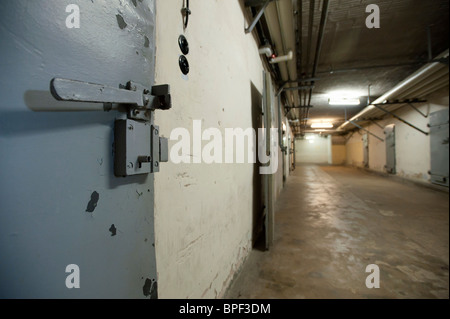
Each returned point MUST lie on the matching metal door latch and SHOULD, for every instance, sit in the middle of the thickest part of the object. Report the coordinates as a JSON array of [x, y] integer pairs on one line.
[[138, 149], [135, 97]]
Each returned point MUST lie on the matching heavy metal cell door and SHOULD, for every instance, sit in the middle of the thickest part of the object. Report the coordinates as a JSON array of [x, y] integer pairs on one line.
[[76, 200], [439, 147], [365, 139], [389, 132]]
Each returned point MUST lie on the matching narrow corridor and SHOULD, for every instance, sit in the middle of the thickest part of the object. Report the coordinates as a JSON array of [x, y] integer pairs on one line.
[[331, 222]]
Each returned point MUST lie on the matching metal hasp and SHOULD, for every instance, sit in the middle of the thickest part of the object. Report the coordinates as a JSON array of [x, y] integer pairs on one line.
[[134, 96], [258, 15], [138, 149]]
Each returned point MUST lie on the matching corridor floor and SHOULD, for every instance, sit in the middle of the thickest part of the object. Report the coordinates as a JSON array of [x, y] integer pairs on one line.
[[332, 222]]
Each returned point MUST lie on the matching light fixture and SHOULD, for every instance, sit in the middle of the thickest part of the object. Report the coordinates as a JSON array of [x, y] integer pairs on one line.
[[344, 98], [344, 101], [322, 125]]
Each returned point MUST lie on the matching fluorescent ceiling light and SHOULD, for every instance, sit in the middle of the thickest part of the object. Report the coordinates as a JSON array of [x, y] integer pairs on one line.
[[344, 101], [344, 97], [322, 125]]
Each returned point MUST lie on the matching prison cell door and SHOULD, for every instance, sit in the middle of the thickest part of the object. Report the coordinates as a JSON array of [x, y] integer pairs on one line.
[[365, 139], [69, 228], [439, 147], [389, 132]]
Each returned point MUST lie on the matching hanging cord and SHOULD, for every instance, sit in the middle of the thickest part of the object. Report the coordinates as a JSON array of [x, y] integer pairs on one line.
[[186, 12]]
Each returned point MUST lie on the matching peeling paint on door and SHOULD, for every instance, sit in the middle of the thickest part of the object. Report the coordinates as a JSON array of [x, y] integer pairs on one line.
[[59, 193]]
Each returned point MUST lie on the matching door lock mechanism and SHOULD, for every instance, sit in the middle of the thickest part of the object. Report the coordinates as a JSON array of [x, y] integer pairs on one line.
[[134, 97], [138, 148]]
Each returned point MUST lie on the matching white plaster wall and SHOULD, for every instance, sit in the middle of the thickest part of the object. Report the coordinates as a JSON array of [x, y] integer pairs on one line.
[[354, 150], [412, 147], [338, 154], [316, 151], [203, 212], [330, 149]]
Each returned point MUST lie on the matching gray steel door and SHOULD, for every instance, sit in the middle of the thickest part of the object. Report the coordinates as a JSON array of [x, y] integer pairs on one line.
[[439, 147], [267, 179], [389, 132], [365, 139], [60, 203]]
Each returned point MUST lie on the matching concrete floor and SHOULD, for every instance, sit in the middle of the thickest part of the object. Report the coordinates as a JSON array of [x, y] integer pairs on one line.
[[331, 222]]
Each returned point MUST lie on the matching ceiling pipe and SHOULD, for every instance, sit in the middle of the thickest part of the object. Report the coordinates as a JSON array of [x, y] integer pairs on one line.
[[382, 66], [299, 37], [309, 41], [267, 50], [288, 54], [310, 30], [403, 86], [323, 21], [299, 41], [441, 74], [262, 31], [283, 58], [428, 85]]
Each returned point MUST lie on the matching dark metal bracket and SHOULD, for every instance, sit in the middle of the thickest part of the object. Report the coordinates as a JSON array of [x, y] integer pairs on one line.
[[378, 106], [375, 123], [257, 17], [420, 112], [362, 128]]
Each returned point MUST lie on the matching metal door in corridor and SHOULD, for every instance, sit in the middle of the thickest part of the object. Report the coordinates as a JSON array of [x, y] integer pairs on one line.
[[61, 205]]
